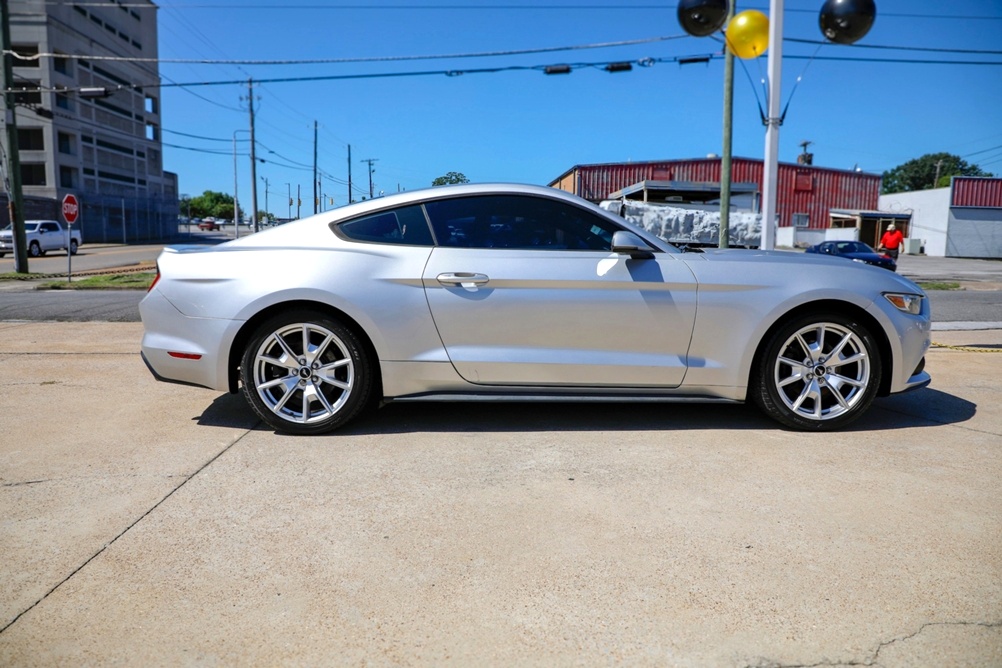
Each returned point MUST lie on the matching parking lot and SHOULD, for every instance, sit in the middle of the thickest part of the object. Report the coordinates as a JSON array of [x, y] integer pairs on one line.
[[153, 524]]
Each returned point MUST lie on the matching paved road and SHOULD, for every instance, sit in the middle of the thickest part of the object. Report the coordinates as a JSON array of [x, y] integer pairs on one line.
[[20, 301]]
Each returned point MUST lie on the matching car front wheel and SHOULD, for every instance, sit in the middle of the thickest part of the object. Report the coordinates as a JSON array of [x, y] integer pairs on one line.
[[34, 249], [306, 373], [73, 246], [818, 373]]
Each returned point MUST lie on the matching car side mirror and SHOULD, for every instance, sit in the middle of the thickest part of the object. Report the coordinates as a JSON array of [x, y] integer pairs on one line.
[[628, 243]]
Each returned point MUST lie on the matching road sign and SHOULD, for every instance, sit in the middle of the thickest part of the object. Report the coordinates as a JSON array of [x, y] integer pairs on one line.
[[71, 209]]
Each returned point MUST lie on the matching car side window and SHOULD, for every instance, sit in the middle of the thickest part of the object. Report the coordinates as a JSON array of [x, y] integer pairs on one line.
[[406, 226], [518, 221], [49, 227]]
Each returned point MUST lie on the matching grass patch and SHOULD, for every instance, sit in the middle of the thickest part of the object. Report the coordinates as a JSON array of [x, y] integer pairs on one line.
[[939, 285], [134, 281]]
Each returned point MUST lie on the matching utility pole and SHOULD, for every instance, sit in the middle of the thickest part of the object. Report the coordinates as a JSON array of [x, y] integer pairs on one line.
[[315, 200], [725, 159], [299, 201], [236, 200], [266, 209], [253, 156], [13, 180], [371, 170], [288, 190], [350, 198], [939, 166]]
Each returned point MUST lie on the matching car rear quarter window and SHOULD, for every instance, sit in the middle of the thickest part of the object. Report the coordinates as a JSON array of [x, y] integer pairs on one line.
[[406, 226], [518, 221]]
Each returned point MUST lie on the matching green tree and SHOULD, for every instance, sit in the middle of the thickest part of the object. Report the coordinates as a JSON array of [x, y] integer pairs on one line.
[[211, 203], [920, 173], [450, 179]]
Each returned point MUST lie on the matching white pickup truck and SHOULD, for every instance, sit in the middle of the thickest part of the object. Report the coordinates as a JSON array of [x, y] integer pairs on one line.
[[41, 236]]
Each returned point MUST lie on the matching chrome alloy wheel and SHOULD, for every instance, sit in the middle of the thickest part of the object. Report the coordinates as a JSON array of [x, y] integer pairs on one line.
[[303, 373], [822, 371]]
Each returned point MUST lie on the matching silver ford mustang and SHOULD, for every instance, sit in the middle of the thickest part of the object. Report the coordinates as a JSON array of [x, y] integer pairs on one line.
[[493, 292]]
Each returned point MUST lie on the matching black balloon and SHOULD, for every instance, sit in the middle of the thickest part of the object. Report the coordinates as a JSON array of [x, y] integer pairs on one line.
[[847, 21], [700, 18]]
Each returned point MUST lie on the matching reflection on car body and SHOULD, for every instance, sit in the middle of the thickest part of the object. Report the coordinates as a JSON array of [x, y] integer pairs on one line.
[[509, 292]]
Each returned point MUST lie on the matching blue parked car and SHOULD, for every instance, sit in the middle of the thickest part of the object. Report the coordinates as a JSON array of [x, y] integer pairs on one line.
[[855, 250]]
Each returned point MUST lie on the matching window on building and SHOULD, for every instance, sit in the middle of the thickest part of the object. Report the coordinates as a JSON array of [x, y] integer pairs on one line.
[[152, 132], [63, 101], [63, 65], [28, 94], [801, 220], [68, 177], [803, 182], [30, 139], [67, 143], [25, 50], [33, 173], [152, 107]]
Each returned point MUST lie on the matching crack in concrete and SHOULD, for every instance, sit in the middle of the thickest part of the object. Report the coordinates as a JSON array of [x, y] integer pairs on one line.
[[873, 659], [101, 550], [96, 476]]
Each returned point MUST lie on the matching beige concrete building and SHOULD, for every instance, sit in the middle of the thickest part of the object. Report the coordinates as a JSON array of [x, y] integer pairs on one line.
[[88, 116]]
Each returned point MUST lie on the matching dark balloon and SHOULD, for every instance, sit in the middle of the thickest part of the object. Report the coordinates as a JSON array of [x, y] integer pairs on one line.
[[700, 18], [846, 21]]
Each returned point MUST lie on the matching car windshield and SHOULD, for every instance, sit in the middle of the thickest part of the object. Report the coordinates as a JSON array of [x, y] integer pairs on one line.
[[854, 247]]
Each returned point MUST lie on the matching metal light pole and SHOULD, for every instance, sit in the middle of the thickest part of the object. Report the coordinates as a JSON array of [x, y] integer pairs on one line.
[[770, 164], [288, 187]]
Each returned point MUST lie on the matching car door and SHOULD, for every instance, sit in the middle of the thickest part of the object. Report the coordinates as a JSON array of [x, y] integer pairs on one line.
[[50, 237], [524, 290]]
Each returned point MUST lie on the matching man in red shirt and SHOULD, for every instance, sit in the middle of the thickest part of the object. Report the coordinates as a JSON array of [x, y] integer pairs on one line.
[[891, 241]]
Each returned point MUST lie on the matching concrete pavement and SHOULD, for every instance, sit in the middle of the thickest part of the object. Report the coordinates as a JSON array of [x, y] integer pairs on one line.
[[153, 524]]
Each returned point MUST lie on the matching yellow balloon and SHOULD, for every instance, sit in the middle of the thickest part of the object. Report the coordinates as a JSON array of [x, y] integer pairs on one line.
[[748, 34]]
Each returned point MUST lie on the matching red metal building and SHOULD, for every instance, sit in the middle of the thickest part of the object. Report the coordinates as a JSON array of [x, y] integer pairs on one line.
[[805, 193], [976, 191]]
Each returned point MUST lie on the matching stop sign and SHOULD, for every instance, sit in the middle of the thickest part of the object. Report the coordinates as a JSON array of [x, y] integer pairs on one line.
[[71, 209]]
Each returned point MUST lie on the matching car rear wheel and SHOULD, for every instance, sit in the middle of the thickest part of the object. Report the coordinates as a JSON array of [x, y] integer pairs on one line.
[[818, 373], [306, 373]]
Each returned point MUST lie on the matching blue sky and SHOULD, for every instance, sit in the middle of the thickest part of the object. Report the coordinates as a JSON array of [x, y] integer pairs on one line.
[[525, 126]]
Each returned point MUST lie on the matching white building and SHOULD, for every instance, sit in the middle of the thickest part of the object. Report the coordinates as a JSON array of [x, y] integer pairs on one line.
[[964, 220]]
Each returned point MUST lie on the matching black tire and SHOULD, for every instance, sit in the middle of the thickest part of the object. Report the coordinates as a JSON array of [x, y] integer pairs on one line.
[[35, 250], [73, 246], [817, 373], [312, 392]]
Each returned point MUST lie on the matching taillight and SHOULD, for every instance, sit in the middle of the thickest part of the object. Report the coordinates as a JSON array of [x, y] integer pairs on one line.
[[155, 279]]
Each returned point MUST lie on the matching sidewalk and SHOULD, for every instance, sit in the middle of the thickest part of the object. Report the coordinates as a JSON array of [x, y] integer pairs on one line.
[[155, 524]]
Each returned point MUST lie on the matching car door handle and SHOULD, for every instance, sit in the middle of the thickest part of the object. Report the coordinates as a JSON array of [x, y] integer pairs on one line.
[[465, 279]]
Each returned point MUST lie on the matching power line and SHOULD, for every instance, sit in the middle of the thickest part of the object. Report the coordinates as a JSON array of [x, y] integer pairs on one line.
[[576, 7], [928, 49], [335, 61]]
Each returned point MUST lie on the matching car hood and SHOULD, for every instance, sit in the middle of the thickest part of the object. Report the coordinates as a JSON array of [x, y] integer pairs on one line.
[[797, 263]]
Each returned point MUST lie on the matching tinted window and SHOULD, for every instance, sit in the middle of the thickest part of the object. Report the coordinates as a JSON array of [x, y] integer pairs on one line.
[[518, 221], [400, 226]]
